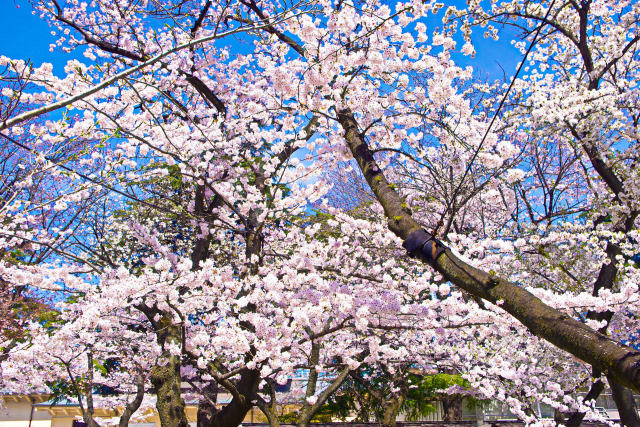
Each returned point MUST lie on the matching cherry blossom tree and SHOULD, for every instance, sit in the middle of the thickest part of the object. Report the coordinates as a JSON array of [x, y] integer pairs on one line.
[[585, 155], [206, 130]]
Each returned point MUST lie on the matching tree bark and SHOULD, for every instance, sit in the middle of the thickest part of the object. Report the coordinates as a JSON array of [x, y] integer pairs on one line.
[[245, 391], [167, 382], [170, 405], [391, 408], [234, 413], [87, 415], [207, 405], [270, 408], [452, 408], [556, 327], [165, 375], [308, 411], [605, 279], [625, 403], [133, 406], [272, 416]]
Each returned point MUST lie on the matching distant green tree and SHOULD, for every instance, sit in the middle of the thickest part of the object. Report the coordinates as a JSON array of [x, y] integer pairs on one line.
[[382, 394]]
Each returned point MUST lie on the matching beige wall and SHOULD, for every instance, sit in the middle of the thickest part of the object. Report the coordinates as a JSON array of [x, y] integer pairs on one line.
[[16, 411], [62, 421]]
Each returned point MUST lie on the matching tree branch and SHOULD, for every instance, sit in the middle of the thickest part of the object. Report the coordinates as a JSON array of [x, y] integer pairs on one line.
[[605, 354]]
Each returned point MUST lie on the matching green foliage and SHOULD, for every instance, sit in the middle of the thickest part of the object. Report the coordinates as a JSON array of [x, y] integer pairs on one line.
[[62, 389], [423, 390], [342, 405], [50, 319], [418, 392], [324, 415], [289, 417], [442, 381]]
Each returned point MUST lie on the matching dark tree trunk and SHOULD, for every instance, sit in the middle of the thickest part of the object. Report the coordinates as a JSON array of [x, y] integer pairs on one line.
[[207, 406], [560, 417], [165, 375], [234, 413], [625, 404]]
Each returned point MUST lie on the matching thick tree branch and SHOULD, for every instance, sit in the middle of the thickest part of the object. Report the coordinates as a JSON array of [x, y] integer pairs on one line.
[[310, 411], [102, 44], [203, 14], [621, 362], [207, 93], [251, 4], [605, 172]]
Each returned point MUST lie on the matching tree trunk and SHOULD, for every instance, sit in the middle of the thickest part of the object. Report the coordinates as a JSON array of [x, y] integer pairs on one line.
[[559, 417], [625, 404], [207, 406], [390, 411], [134, 405], [234, 413], [306, 412], [452, 408], [270, 408], [309, 411], [363, 410], [271, 412], [165, 375], [166, 381], [575, 420]]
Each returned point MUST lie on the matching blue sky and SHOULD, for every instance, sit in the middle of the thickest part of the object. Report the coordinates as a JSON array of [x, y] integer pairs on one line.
[[25, 36]]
